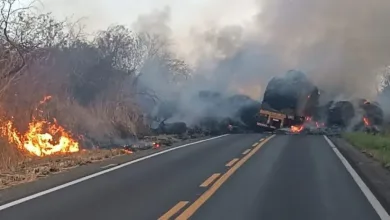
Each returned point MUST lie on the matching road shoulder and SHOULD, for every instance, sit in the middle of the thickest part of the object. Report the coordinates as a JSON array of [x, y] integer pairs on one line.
[[372, 172]]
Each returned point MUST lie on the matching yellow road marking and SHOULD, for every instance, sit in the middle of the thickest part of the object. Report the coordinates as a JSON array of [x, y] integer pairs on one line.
[[210, 180], [232, 162], [206, 195], [255, 144], [173, 210], [247, 151]]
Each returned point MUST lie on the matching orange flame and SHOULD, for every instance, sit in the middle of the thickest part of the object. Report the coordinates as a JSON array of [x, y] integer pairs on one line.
[[39, 142], [366, 121], [41, 138], [127, 151], [45, 99], [296, 129]]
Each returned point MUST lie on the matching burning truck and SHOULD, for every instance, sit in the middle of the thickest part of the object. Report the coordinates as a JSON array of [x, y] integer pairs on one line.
[[288, 101], [292, 102]]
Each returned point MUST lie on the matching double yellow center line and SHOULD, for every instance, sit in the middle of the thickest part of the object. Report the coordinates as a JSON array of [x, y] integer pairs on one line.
[[187, 213], [232, 162], [210, 180]]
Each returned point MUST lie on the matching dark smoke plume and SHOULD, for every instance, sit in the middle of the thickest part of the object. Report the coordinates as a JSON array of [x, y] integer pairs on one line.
[[340, 44]]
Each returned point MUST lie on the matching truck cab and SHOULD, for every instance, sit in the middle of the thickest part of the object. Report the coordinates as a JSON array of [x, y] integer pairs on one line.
[[270, 120]]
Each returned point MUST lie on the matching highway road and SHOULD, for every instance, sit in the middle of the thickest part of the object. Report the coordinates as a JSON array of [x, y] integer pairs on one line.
[[241, 176]]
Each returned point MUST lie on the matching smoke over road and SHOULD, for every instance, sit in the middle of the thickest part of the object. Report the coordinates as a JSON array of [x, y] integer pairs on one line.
[[340, 44]]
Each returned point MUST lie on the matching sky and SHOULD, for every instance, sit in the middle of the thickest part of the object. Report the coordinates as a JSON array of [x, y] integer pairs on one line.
[[182, 16], [98, 14]]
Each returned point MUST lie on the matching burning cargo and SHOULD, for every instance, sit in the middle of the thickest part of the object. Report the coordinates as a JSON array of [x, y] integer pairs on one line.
[[287, 100], [356, 114]]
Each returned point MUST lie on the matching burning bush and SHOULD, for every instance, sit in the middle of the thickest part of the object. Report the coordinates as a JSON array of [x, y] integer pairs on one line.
[[42, 138]]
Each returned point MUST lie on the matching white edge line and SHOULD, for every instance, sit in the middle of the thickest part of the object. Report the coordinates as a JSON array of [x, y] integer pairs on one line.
[[39, 194], [363, 187]]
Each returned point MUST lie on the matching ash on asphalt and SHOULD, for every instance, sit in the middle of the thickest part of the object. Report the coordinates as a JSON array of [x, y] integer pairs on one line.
[[310, 131]]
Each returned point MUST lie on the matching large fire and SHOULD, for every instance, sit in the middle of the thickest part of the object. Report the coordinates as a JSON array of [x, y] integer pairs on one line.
[[41, 138]]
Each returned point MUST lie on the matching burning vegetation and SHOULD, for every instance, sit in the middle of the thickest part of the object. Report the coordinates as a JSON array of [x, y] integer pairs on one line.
[[101, 93], [42, 137], [97, 96]]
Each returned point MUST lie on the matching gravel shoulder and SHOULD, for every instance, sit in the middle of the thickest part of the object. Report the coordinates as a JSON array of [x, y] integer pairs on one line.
[[54, 178], [376, 177]]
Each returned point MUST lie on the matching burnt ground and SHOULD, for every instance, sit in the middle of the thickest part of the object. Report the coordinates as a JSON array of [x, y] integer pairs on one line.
[[376, 177]]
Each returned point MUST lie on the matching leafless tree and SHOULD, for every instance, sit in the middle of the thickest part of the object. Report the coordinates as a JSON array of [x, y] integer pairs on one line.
[[122, 47], [12, 53]]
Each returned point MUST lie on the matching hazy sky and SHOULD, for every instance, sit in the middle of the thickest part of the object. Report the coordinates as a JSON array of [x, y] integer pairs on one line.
[[252, 40], [184, 14]]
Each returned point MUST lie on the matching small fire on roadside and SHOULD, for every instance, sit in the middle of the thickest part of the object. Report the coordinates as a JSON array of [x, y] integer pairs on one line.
[[42, 137], [127, 151], [156, 145]]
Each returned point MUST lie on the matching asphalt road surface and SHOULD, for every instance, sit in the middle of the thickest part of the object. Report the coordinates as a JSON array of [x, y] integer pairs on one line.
[[244, 176]]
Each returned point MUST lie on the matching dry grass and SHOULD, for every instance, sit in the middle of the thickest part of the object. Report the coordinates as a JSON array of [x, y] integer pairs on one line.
[[9, 156], [30, 168]]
